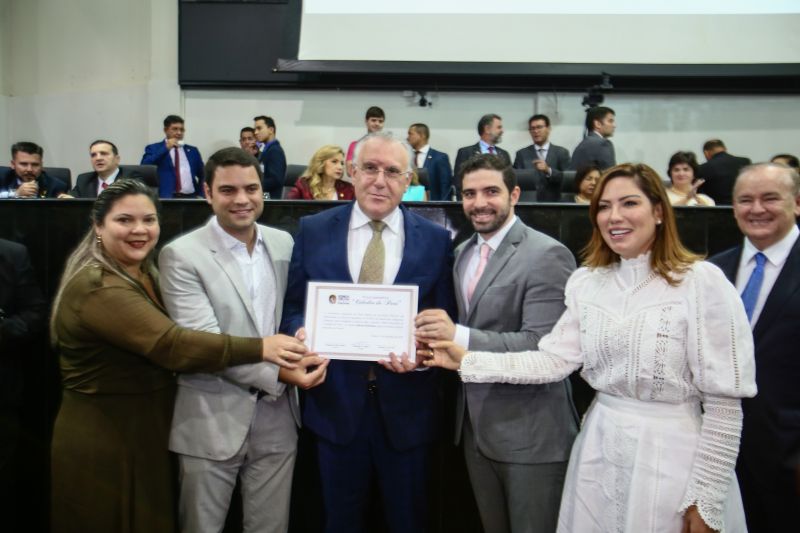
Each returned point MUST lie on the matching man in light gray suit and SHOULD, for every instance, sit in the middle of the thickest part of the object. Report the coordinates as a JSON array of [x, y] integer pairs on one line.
[[509, 282], [229, 276], [549, 160]]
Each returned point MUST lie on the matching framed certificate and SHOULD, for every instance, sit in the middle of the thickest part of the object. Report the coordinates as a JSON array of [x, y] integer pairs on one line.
[[360, 322]]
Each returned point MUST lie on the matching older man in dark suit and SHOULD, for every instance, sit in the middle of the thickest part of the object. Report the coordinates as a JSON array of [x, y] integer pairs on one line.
[[490, 130], [373, 424], [766, 270], [549, 161]]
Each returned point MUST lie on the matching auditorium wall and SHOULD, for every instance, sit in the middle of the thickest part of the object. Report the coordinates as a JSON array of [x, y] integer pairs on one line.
[[108, 69]]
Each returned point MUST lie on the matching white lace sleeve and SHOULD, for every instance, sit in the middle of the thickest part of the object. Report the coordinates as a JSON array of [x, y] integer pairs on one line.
[[719, 341], [715, 460], [560, 353]]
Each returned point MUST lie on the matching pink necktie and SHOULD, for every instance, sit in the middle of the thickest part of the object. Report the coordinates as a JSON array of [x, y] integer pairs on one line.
[[479, 272], [104, 185]]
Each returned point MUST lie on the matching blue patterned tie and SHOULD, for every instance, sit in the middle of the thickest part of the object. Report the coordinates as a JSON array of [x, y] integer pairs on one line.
[[751, 290]]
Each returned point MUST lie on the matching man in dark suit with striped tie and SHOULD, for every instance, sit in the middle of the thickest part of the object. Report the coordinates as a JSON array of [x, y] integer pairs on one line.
[[766, 270]]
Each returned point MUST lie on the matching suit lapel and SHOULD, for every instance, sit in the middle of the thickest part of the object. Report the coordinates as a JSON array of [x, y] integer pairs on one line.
[[280, 285], [461, 254], [337, 240], [729, 263], [787, 283], [223, 256], [413, 254], [498, 261]]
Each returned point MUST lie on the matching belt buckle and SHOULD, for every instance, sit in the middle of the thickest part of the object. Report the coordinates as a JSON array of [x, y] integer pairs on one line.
[[372, 387]]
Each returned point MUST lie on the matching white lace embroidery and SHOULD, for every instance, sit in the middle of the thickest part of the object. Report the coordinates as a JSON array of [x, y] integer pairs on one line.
[[638, 337]]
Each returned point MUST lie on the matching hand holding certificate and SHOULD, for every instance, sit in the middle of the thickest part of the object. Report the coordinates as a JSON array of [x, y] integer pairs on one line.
[[360, 322]]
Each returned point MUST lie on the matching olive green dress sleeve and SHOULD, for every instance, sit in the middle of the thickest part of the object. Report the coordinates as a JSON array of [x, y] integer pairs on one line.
[[125, 317]]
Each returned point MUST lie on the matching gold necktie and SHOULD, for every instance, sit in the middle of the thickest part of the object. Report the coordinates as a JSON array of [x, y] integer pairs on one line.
[[374, 257]]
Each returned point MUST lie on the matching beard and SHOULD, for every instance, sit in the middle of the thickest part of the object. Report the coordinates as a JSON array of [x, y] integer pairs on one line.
[[490, 225]]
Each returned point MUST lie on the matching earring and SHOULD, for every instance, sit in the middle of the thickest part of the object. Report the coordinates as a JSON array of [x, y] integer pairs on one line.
[[98, 239], [658, 222]]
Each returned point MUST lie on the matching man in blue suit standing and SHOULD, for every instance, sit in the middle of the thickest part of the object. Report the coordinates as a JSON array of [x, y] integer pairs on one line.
[[440, 175], [766, 269], [373, 423], [272, 157], [180, 166]]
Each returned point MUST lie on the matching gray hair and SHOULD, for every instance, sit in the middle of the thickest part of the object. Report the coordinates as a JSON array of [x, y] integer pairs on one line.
[[788, 173], [387, 138]]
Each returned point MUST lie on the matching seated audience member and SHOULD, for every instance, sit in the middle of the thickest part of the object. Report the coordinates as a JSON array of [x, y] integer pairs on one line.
[[105, 162], [786, 159], [416, 191], [682, 172], [586, 179], [374, 120], [27, 179], [272, 157], [180, 166], [490, 131], [719, 171], [440, 175], [549, 160], [322, 180], [247, 141]]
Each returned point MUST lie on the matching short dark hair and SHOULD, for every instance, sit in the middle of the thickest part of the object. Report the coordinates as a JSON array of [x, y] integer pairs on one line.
[[103, 141], [581, 174], [540, 117], [269, 121], [791, 160], [486, 120], [597, 113], [26, 147], [172, 119], [247, 129], [375, 112], [713, 144], [488, 162], [421, 129], [683, 158], [227, 157]]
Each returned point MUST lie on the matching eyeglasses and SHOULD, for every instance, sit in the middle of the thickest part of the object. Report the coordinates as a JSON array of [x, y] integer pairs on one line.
[[391, 173]]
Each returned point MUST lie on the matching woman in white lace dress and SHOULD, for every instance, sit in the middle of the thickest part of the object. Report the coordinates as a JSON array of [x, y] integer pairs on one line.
[[664, 339]]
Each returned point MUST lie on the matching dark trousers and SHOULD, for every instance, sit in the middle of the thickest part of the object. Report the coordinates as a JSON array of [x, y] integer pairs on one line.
[[349, 472]]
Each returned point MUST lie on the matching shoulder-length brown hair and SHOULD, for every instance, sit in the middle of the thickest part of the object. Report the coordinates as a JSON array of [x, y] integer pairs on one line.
[[668, 257]]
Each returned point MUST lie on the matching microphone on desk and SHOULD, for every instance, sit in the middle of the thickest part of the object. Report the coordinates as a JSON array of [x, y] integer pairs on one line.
[[453, 193]]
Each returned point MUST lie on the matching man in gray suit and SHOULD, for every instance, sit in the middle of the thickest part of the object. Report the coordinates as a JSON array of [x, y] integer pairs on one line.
[[549, 161], [596, 148], [509, 282], [229, 276]]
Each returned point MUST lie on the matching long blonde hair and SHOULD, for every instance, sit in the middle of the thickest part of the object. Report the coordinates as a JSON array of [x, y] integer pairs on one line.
[[668, 256], [90, 252], [315, 173]]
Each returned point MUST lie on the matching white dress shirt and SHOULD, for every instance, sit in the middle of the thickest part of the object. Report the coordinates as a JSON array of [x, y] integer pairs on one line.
[[359, 235], [108, 181], [258, 276], [421, 156], [776, 257], [187, 181], [468, 267]]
